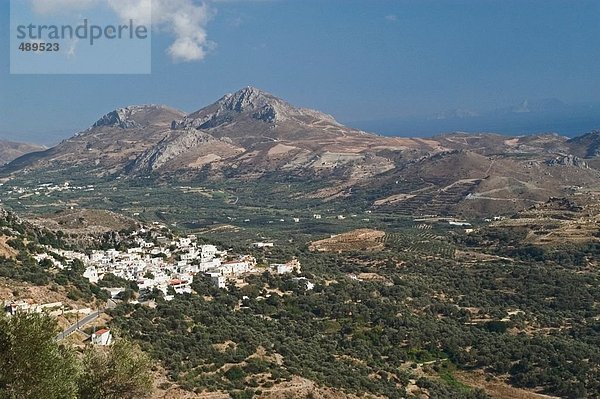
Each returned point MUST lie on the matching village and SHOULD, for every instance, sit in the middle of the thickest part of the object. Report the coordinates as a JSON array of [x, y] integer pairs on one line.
[[154, 261], [173, 263]]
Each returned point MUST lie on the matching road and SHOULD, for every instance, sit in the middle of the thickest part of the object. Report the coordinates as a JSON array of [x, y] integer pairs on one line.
[[81, 323]]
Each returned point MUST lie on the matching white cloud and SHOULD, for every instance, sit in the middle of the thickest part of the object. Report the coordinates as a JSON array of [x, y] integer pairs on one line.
[[138, 10], [185, 20], [391, 18]]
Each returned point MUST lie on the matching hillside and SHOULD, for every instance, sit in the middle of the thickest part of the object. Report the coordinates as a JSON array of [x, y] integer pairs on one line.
[[10, 150], [108, 144]]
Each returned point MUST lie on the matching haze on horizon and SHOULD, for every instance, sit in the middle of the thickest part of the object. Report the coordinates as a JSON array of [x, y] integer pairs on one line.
[[393, 67]]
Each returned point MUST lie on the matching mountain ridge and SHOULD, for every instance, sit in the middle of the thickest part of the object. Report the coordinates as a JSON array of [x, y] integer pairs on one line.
[[251, 134]]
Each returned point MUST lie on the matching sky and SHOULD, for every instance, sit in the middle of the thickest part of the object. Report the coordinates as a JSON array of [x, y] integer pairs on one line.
[[358, 60]]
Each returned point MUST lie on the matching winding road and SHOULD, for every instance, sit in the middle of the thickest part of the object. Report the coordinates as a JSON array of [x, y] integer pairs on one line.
[[80, 323], [84, 321]]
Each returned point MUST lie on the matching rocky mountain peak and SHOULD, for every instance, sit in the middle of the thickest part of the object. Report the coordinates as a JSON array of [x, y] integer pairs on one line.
[[257, 104], [249, 98], [118, 118], [136, 116], [251, 105]]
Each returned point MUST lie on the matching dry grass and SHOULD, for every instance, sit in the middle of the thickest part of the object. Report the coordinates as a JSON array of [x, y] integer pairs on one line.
[[498, 389], [356, 240]]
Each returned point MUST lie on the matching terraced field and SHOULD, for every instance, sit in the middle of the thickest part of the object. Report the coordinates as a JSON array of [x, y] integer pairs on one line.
[[431, 200], [419, 242]]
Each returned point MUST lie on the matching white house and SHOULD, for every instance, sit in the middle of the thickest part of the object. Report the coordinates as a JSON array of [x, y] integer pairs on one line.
[[286, 268], [206, 265], [181, 286], [234, 267], [91, 273], [97, 256], [208, 252], [184, 242], [114, 292], [102, 337]]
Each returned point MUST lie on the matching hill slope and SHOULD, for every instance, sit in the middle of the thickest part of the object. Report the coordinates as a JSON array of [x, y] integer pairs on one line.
[[10, 150]]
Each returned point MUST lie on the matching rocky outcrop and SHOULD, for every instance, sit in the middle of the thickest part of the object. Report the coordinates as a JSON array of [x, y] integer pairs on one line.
[[137, 116], [169, 148], [118, 118], [568, 160], [181, 144]]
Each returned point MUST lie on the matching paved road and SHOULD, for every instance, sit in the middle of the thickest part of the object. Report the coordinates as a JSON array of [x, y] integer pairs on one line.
[[81, 323]]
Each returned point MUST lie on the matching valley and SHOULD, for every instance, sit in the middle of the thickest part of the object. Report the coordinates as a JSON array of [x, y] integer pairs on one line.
[[342, 264]]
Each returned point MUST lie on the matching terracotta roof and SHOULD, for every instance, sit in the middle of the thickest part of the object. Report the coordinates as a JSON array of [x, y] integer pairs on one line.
[[102, 331]]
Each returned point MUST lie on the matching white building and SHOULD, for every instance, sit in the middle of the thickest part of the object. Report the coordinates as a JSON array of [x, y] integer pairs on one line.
[[208, 252], [286, 268], [234, 267], [114, 292], [102, 337], [91, 273], [184, 242], [206, 265], [217, 279], [181, 286]]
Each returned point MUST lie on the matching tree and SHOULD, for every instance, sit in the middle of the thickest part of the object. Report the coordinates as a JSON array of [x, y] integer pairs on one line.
[[127, 295], [122, 372], [32, 365]]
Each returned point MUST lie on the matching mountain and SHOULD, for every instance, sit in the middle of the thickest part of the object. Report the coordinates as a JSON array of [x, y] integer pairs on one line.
[[587, 145], [113, 140], [251, 116], [249, 133], [252, 135], [10, 150], [255, 132]]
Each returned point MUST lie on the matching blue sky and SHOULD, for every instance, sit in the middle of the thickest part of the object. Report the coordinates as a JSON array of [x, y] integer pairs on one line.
[[358, 60]]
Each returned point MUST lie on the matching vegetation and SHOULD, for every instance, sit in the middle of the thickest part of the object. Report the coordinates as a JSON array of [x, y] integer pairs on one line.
[[34, 366], [28, 240], [121, 373], [534, 321], [418, 309]]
